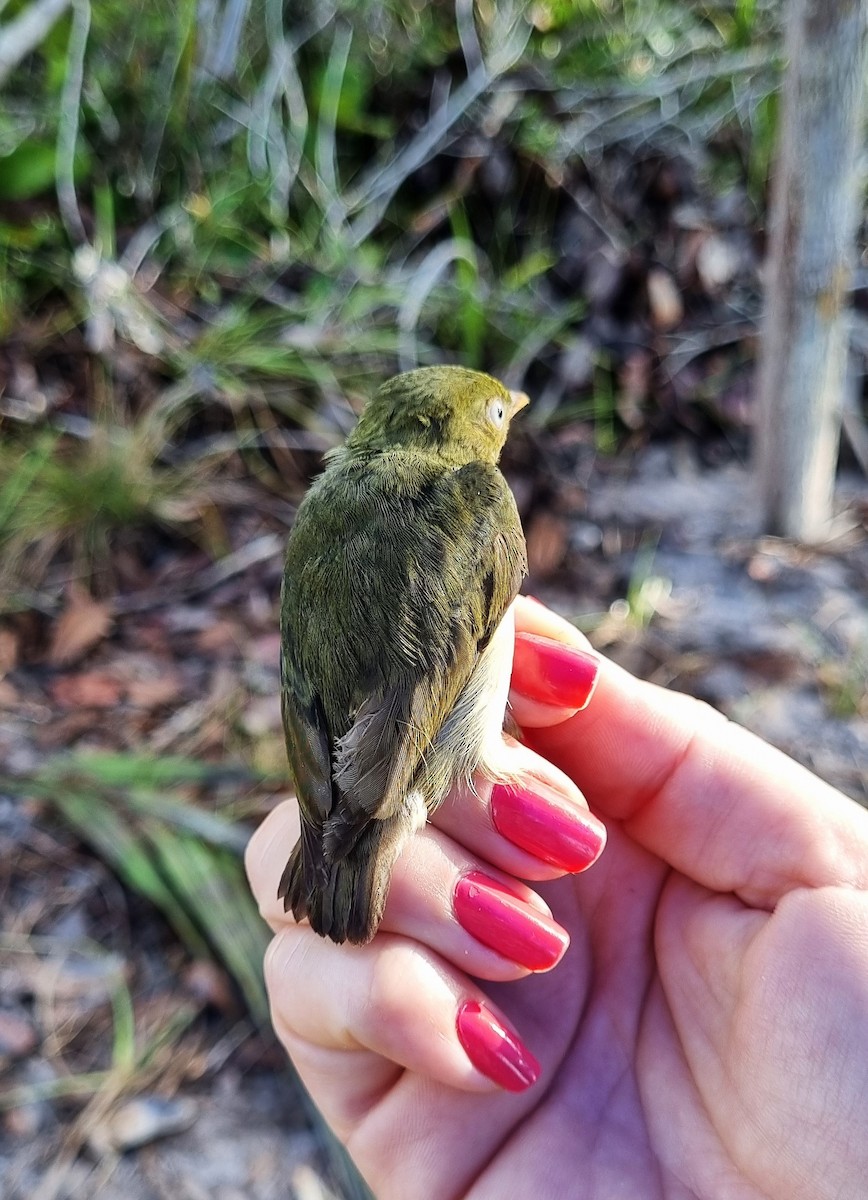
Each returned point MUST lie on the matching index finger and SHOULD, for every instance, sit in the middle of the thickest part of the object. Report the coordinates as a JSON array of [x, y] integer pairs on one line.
[[708, 797]]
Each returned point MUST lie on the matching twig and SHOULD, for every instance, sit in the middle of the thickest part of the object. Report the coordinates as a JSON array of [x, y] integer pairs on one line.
[[261, 549], [53, 1089], [656, 87]]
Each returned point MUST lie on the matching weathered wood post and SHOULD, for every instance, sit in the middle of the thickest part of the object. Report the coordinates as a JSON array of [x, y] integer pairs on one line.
[[814, 211]]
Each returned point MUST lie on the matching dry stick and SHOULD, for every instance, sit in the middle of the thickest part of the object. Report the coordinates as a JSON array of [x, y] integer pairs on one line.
[[813, 224]]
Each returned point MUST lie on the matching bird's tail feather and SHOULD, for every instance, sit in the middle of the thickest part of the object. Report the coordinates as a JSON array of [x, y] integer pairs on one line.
[[343, 900]]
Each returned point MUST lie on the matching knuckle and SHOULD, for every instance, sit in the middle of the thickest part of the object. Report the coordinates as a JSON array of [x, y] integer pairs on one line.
[[393, 985], [282, 968]]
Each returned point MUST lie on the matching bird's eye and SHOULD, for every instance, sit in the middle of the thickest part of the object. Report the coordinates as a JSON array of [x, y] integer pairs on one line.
[[496, 413]]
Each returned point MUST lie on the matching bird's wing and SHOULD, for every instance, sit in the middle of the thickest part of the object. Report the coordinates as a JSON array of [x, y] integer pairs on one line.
[[466, 592], [308, 749]]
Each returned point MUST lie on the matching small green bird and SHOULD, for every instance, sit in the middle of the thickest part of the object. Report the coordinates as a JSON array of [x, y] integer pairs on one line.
[[404, 557]]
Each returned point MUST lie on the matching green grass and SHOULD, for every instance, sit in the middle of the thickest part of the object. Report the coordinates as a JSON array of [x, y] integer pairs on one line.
[[250, 214], [150, 820], [185, 859]]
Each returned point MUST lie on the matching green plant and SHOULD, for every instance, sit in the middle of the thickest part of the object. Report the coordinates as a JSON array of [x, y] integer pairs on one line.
[[183, 858]]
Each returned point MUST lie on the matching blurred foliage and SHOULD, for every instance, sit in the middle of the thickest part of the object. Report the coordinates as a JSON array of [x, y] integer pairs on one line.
[[212, 211], [135, 811]]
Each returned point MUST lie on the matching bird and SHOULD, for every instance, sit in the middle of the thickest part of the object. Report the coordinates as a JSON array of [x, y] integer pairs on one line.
[[405, 555]]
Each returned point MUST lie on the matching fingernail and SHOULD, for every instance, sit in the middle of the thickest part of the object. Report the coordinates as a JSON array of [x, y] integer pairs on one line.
[[545, 824], [495, 1050], [553, 673], [504, 922]]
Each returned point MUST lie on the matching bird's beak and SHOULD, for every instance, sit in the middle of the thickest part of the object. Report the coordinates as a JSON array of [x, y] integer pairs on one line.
[[520, 400]]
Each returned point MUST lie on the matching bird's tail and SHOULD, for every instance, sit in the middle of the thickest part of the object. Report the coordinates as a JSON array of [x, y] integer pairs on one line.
[[343, 899]]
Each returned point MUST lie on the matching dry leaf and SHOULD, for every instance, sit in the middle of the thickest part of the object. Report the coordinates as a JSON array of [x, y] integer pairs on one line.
[[8, 651], [634, 383], [83, 623], [153, 693], [222, 638], [717, 263], [140, 1121], [65, 728], [664, 299], [307, 1184], [92, 689], [209, 984], [265, 650], [546, 542]]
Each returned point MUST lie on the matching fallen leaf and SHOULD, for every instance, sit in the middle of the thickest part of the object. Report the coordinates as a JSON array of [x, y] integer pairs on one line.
[[8, 651], [546, 542], [83, 623], [63, 729], [307, 1184], [717, 263], [266, 650], [209, 984], [634, 382], [154, 693], [664, 299], [91, 689], [142, 1120], [223, 638]]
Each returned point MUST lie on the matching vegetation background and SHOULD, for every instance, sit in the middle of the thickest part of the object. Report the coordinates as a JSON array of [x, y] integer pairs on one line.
[[221, 225]]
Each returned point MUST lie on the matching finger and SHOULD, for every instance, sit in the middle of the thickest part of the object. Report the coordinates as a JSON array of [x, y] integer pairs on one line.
[[551, 680], [706, 796], [390, 1002], [749, 995], [534, 824], [492, 926]]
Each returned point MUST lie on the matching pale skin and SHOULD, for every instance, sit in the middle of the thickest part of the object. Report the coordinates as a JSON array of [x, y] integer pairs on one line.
[[705, 1035]]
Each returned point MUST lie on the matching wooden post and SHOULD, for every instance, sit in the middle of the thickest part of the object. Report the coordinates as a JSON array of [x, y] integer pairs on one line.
[[814, 211]]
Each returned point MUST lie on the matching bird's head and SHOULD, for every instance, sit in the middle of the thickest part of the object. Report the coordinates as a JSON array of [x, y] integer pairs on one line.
[[460, 415]]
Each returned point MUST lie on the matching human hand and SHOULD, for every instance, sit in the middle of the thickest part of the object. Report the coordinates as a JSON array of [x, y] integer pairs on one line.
[[706, 1034]]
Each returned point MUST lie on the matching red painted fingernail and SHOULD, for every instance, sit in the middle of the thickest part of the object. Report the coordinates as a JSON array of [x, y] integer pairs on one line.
[[547, 825], [553, 673], [504, 922], [495, 1050]]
